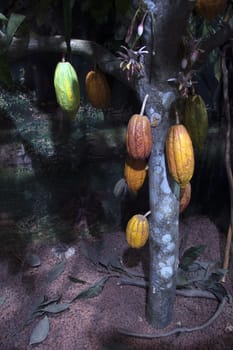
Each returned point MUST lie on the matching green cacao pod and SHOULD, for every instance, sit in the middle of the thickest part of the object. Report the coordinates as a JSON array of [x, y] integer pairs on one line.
[[196, 120], [209, 8], [179, 154], [135, 173], [67, 87], [97, 89], [137, 231]]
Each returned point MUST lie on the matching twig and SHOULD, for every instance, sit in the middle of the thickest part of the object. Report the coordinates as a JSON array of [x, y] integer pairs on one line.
[[227, 152], [178, 330], [193, 293], [227, 252]]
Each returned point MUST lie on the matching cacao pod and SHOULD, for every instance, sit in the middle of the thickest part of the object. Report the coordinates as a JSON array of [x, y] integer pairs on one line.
[[137, 231], [139, 137], [97, 89], [135, 173], [196, 120], [67, 87], [185, 196], [209, 8], [179, 154]]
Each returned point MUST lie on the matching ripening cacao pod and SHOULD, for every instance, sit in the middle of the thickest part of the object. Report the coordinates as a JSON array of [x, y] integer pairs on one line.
[[67, 87], [179, 154], [137, 231], [97, 89], [209, 8], [185, 196], [135, 173], [196, 120], [139, 137]]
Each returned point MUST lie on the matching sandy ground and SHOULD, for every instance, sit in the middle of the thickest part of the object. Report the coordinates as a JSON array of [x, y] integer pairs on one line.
[[93, 323]]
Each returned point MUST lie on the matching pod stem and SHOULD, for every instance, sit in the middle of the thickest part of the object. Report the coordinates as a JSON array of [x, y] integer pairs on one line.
[[144, 104], [177, 117], [147, 213]]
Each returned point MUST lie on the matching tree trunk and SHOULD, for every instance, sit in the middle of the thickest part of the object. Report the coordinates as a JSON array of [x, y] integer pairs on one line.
[[164, 206], [163, 233]]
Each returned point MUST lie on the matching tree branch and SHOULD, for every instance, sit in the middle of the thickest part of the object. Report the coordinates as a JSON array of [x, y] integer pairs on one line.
[[108, 62]]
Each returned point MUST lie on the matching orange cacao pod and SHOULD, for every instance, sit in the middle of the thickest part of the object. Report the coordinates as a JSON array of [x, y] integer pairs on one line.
[[185, 196], [137, 231], [139, 137], [97, 89], [135, 173], [179, 154], [209, 8]]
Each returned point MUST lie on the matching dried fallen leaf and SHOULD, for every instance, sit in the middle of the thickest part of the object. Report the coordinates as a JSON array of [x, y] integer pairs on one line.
[[33, 260], [56, 308], [56, 271], [92, 291], [40, 332]]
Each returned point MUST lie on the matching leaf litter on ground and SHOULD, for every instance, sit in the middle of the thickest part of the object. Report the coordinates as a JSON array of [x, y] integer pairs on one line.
[[93, 291], [56, 271], [32, 260], [40, 331]]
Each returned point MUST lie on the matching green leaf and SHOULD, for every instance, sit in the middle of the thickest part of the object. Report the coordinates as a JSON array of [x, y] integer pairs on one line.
[[40, 332], [76, 280], [181, 279], [3, 18], [56, 271], [38, 308], [13, 24], [92, 291], [56, 308], [190, 255], [5, 73]]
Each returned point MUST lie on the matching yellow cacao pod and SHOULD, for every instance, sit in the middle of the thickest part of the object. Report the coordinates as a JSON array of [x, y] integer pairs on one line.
[[185, 196], [97, 89], [139, 137], [137, 231], [196, 120], [179, 154], [135, 173], [66, 86], [209, 8]]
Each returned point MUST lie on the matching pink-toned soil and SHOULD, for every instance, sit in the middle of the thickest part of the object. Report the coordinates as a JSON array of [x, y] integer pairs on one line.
[[92, 323]]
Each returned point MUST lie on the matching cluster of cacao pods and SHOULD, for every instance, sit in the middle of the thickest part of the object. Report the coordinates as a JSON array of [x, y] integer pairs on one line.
[[67, 88], [209, 9], [138, 146]]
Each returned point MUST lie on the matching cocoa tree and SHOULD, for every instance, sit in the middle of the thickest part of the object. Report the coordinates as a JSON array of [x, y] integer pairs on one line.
[[149, 68]]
